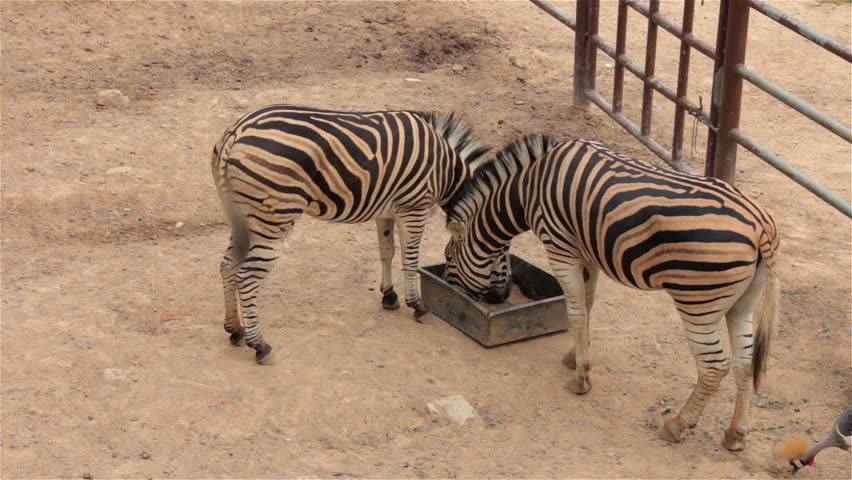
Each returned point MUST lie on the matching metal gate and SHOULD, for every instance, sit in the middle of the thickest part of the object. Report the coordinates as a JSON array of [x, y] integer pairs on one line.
[[722, 121]]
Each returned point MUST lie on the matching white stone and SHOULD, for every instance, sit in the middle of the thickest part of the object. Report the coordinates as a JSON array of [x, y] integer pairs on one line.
[[179, 224], [119, 170], [412, 79], [454, 407], [116, 374], [112, 98]]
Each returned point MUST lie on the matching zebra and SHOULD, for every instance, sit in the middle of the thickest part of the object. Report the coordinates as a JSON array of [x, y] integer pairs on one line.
[[281, 161], [709, 246]]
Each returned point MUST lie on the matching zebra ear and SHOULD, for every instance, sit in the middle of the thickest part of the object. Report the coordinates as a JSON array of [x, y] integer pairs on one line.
[[456, 228]]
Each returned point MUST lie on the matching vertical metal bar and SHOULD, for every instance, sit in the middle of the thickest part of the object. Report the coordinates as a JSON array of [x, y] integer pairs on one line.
[[592, 51], [620, 40], [582, 42], [682, 82], [736, 36], [650, 61], [716, 92]]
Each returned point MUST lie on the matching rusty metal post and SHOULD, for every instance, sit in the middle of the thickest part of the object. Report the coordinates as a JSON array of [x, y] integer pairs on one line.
[[650, 62], [682, 82], [736, 36], [585, 52], [582, 44], [620, 41], [716, 91]]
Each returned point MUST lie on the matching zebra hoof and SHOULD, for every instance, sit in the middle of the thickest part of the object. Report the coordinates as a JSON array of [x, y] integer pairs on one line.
[[734, 440], [673, 430], [237, 338], [268, 359], [579, 386], [420, 311], [390, 301], [570, 360]]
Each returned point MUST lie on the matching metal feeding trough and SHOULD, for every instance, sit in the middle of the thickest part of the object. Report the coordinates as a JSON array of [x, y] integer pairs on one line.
[[542, 311]]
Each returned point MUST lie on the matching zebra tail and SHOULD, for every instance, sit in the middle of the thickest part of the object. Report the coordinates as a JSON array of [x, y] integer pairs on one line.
[[239, 229], [767, 318]]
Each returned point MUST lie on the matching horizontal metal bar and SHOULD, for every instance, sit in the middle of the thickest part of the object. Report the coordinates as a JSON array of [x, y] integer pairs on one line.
[[556, 13], [798, 104], [810, 184], [659, 86], [819, 38], [673, 28], [631, 128]]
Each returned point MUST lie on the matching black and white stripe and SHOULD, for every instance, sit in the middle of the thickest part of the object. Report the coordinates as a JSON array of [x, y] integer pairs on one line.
[[281, 161], [704, 242]]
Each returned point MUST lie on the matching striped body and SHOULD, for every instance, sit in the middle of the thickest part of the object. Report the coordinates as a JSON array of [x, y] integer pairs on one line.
[[281, 161], [699, 239]]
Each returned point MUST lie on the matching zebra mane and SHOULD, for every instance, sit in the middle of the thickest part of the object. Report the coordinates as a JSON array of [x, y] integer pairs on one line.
[[460, 136], [508, 161]]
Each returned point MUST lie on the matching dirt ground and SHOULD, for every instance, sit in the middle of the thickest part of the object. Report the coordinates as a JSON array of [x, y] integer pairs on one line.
[[114, 361]]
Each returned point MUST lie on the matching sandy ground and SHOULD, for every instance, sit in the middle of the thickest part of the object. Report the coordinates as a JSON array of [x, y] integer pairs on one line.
[[114, 362]]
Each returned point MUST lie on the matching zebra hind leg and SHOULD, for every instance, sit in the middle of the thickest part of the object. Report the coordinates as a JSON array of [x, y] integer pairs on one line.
[[264, 237], [739, 319], [384, 229], [229, 281], [702, 333]]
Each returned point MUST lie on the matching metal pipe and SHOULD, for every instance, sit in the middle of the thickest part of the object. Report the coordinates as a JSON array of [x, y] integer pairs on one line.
[[631, 128], [682, 81], [583, 79], [820, 39], [725, 165], [810, 184], [650, 62], [659, 86], [796, 103], [716, 92], [620, 41], [673, 28], [556, 13]]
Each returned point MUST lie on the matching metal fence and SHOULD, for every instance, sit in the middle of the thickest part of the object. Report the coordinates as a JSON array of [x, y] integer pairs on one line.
[[722, 120]]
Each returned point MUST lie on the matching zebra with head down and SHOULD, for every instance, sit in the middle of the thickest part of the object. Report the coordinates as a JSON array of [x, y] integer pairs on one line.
[[710, 247], [282, 161]]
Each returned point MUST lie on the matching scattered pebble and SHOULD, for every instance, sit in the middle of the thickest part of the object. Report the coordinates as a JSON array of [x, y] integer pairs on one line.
[[112, 98], [454, 407], [179, 224], [87, 476], [412, 79], [520, 102], [457, 68], [119, 170], [145, 455]]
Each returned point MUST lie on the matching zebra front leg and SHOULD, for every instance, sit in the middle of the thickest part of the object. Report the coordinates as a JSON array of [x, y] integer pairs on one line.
[[384, 228], [590, 282], [702, 333], [739, 319], [568, 270], [411, 224], [229, 282]]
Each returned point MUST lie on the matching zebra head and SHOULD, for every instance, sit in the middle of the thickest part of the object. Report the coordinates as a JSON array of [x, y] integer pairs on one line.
[[478, 273]]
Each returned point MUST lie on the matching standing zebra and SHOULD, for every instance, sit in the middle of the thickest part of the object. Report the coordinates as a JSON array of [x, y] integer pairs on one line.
[[281, 161], [701, 240]]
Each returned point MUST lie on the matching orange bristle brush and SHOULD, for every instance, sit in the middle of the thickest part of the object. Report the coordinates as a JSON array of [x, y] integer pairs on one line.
[[792, 447]]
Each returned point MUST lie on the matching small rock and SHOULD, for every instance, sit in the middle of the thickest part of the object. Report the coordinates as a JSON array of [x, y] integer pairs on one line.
[[87, 476], [119, 170], [412, 79], [116, 374], [145, 455], [457, 68], [112, 98], [30, 169], [179, 224], [520, 102], [454, 407]]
